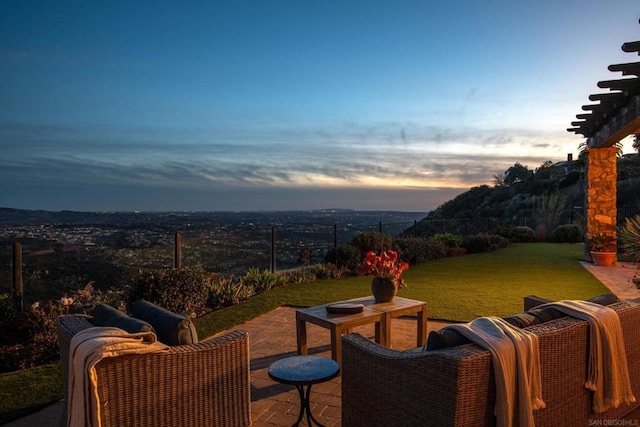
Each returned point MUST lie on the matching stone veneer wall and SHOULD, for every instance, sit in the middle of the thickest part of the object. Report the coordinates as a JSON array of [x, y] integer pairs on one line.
[[601, 194]]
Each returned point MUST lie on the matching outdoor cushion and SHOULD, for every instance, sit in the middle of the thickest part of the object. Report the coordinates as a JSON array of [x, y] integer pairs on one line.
[[545, 314], [604, 299], [521, 320], [172, 329], [444, 338], [105, 315]]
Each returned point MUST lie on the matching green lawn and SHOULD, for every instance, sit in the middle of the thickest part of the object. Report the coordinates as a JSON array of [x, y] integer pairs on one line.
[[460, 289]]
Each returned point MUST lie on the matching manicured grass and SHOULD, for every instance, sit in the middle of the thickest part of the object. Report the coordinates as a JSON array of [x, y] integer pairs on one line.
[[29, 390], [458, 289], [494, 284]]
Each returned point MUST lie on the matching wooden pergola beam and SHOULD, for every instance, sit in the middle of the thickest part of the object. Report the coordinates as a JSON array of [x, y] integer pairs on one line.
[[611, 97], [631, 69], [625, 123], [631, 47], [627, 86]]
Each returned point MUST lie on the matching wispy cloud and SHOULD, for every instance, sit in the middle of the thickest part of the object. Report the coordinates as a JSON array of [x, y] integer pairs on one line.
[[348, 154]]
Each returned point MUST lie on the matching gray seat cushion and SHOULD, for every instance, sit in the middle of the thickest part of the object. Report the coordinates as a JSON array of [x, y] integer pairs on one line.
[[171, 328], [105, 315]]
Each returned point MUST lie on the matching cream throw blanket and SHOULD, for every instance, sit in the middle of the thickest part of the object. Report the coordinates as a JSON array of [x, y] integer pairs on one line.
[[608, 374], [87, 348], [516, 364]]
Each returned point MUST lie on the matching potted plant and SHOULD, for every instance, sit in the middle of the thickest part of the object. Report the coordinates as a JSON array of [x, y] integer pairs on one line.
[[603, 249], [630, 243], [387, 270]]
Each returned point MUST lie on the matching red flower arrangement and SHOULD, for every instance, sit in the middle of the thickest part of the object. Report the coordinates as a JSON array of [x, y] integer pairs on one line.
[[385, 265]]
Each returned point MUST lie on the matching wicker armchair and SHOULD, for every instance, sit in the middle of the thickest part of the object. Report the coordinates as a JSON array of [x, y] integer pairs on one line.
[[204, 384]]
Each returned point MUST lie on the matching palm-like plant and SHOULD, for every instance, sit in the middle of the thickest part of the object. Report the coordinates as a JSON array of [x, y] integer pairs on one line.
[[629, 236]]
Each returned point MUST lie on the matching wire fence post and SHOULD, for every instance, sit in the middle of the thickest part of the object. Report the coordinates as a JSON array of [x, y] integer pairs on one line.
[[273, 249], [18, 289], [177, 258]]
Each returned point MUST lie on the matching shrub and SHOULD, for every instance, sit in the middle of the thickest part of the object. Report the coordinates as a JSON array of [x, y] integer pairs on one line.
[[376, 242], [262, 280], [568, 233], [450, 240], [484, 243], [413, 250], [227, 290], [40, 319], [331, 271], [436, 249], [344, 257], [301, 275], [477, 244], [178, 290], [8, 318], [417, 250], [519, 233], [456, 251], [31, 338]]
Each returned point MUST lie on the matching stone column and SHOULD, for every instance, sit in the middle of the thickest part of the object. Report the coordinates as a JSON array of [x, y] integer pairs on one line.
[[601, 193]]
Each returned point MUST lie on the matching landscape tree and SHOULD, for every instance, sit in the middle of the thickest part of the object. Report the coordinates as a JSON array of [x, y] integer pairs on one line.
[[544, 170], [636, 143], [516, 174]]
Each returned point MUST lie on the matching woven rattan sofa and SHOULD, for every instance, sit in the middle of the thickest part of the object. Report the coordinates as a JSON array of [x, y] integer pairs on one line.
[[455, 387], [203, 384]]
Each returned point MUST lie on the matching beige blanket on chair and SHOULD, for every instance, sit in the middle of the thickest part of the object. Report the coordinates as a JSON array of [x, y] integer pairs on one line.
[[87, 348], [608, 374], [516, 364]]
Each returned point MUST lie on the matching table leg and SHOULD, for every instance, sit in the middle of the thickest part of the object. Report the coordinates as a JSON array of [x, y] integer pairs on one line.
[[336, 344], [385, 328], [305, 406], [422, 326], [301, 335], [383, 334]]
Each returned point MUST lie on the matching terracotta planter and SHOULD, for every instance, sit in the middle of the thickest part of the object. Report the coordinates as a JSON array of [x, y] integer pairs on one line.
[[604, 259], [384, 290]]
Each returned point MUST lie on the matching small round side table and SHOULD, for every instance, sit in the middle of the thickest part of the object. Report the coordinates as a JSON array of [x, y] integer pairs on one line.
[[304, 371]]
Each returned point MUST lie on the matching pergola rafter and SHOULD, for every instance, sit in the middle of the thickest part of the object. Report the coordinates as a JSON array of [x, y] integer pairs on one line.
[[614, 116]]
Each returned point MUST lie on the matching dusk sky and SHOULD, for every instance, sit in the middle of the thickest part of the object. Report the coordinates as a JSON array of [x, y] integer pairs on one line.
[[274, 105]]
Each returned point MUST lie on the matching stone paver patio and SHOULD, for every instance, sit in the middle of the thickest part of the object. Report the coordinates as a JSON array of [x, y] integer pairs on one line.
[[272, 336]]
